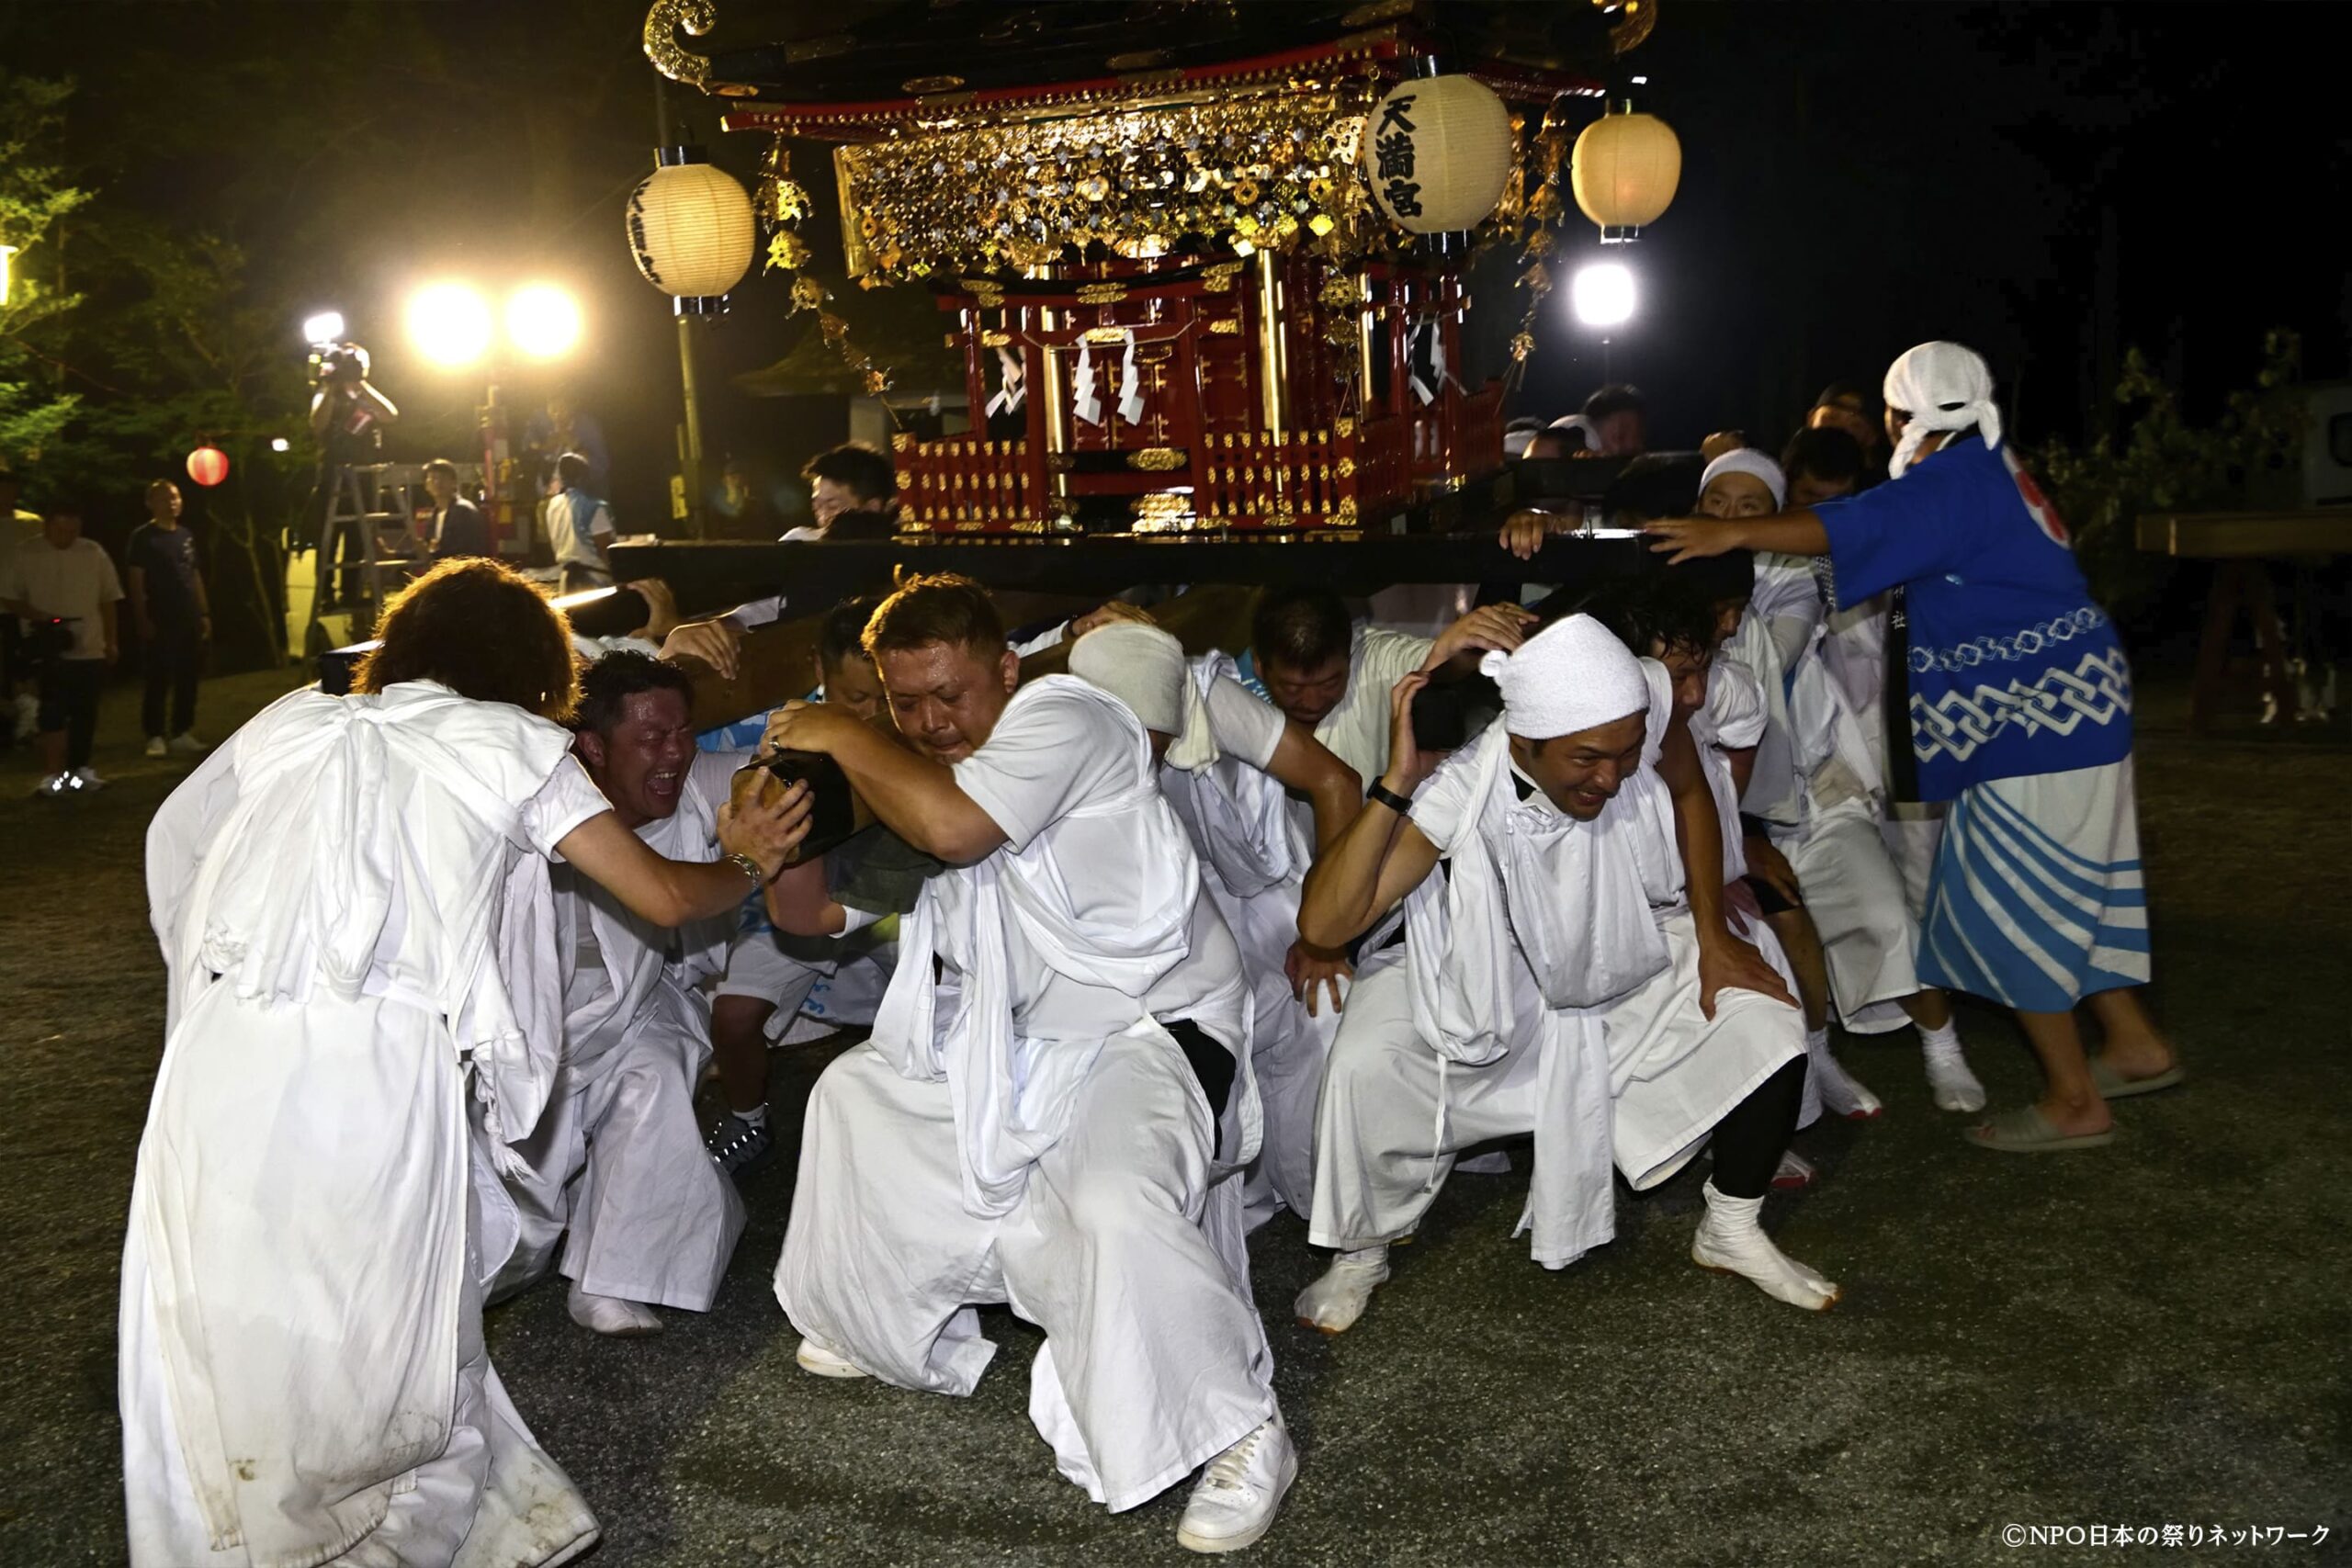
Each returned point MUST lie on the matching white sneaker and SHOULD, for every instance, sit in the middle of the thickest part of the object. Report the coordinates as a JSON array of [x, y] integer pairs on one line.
[[1333, 1302], [1239, 1491], [84, 778], [815, 1356], [1730, 1241], [1795, 1174], [611, 1314], [1842, 1094], [56, 786], [1954, 1087], [187, 745], [156, 747]]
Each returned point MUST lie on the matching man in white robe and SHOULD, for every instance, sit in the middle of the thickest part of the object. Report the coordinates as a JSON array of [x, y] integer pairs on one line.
[[619, 1179], [1572, 976], [1047, 1123]]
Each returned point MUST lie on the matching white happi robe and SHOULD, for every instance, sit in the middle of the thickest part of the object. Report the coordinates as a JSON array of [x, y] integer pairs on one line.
[[1549, 985], [1255, 848], [1855, 654], [618, 1177], [352, 898], [1771, 636], [1843, 847], [1028, 1131], [1734, 719]]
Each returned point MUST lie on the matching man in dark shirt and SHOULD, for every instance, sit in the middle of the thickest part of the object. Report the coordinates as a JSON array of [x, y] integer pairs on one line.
[[459, 527], [175, 618]]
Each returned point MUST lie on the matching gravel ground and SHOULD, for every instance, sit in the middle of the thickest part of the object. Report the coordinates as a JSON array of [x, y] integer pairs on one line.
[[2150, 1335]]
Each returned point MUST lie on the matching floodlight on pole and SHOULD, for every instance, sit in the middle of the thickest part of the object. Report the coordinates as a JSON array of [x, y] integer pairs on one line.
[[8, 255], [1602, 294], [450, 324], [542, 321], [324, 327]]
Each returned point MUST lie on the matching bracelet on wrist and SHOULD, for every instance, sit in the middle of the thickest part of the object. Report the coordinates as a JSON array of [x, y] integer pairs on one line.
[[751, 868], [1400, 803]]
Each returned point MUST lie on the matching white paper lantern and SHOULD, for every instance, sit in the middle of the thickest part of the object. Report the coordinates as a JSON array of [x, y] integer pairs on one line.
[[1624, 172], [690, 227], [1437, 151]]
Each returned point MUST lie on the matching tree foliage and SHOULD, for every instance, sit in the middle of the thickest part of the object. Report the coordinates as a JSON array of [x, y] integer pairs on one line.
[[35, 196], [2161, 461]]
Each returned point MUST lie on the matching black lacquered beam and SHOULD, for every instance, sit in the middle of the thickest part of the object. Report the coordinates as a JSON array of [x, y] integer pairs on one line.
[[708, 577]]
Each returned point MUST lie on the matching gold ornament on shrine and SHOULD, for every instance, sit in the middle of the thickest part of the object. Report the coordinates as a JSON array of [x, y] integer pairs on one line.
[[1624, 172], [1437, 153]]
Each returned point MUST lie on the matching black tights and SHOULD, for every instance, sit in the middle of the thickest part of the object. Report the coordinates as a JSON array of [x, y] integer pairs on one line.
[[1214, 1065], [1754, 1134]]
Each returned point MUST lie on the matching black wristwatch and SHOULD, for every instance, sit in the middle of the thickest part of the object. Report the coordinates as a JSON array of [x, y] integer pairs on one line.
[[1400, 804]]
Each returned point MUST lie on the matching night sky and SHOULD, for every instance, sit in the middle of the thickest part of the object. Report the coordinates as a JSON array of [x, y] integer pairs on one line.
[[2048, 182]]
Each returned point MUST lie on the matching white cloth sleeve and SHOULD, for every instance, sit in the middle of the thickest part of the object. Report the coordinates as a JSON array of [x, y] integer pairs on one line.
[[1043, 760], [568, 798], [1052, 636], [1241, 725], [602, 523], [856, 921], [109, 584], [1386, 658], [1443, 796], [1735, 704]]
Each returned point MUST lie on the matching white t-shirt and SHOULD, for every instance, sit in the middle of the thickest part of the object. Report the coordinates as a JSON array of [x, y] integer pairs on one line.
[[575, 521], [73, 583], [1053, 752], [1243, 726]]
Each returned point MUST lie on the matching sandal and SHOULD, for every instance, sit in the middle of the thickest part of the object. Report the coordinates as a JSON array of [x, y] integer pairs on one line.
[[2112, 1085], [2026, 1131]]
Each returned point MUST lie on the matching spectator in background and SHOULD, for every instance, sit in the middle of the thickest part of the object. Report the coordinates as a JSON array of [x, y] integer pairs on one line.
[[561, 427], [174, 616], [349, 417], [1848, 406], [66, 586], [458, 528], [19, 709], [1618, 419], [740, 510], [579, 527], [1571, 436], [1822, 463], [852, 494]]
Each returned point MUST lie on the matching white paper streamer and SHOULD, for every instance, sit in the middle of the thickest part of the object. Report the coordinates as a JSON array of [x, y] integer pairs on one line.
[[1086, 403], [1130, 384]]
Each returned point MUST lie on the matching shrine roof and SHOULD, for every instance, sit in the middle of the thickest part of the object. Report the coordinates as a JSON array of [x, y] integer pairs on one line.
[[854, 69]]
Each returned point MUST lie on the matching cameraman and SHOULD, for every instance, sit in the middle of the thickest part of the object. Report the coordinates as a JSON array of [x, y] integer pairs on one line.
[[65, 588], [349, 417]]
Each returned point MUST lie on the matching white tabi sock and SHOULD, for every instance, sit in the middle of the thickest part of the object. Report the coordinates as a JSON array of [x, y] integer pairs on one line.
[[1954, 1087], [1732, 1241], [1332, 1303], [1841, 1093]]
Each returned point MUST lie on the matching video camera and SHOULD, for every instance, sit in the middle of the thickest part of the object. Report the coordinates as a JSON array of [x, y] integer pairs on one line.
[[338, 365]]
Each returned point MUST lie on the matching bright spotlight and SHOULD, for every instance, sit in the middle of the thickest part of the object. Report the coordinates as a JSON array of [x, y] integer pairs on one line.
[[324, 327], [1602, 294], [542, 321], [279, 444], [450, 324]]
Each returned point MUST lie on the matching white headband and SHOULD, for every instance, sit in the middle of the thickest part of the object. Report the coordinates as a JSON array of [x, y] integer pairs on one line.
[[1572, 675], [1749, 460], [1142, 666], [1943, 387]]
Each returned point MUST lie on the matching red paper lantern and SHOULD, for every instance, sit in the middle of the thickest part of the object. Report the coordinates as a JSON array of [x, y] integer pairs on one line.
[[207, 466]]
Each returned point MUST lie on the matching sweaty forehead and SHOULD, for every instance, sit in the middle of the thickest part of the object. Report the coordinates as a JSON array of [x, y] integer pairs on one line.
[[661, 709], [929, 667]]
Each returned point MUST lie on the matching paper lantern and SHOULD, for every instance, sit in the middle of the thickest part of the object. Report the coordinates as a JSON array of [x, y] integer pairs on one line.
[[1624, 172], [690, 227], [1436, 151], [207, 466]]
